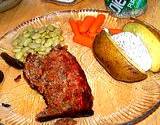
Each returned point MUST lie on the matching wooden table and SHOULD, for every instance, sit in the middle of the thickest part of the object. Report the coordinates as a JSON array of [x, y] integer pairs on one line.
[[28, 9]]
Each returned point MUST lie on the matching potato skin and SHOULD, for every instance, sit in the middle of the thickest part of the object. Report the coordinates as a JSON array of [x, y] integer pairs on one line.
[[113, 61]]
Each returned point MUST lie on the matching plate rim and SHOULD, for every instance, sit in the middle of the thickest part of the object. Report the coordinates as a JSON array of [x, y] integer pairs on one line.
[[135, 120]]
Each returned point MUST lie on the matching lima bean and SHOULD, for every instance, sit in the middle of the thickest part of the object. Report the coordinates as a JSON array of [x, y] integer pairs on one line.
[[26, 35], [42, 53], [14, 43], [36, 36], [42, 49], [48, 43], [50, 27], [48, 50], [16, 50], [42, 30], [19, 55], [34, 45], [30, 29], [27, 41], [38, 41]]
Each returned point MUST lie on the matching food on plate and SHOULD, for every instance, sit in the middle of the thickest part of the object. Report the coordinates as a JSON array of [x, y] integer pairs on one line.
[[6, 105], [66, 121], [18, 78], [85, 30], [135, 46], [132, 46], [82, 39], [97, 23], [115, 61], [86, 24], [115, 31], [12, 61], [61, 81], [36, 40], [1, 76], [150, 38]]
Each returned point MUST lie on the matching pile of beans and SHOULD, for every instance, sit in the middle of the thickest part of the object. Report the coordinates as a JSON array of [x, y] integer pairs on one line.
[[39, 41]]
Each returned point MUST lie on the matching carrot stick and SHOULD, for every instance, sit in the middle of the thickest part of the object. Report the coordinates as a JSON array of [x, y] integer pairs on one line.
[[99, 30], [83, 40], [115, 31], [87, 22], [74, 26], [79, 23], [97, 23], [84, 34], [92, 35]]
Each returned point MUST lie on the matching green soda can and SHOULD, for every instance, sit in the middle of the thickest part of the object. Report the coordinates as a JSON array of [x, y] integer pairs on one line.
[[127, 8]]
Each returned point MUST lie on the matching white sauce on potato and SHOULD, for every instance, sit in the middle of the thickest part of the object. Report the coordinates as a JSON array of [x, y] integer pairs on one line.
[[134, 48]]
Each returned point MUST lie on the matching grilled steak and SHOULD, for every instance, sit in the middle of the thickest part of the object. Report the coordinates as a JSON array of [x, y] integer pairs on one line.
[[61, 81]]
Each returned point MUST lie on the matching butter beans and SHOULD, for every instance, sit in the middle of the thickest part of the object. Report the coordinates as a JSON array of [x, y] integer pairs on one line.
[[36, 40]]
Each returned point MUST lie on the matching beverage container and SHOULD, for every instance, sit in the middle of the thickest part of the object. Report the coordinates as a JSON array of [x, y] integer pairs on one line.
[[127, 8]]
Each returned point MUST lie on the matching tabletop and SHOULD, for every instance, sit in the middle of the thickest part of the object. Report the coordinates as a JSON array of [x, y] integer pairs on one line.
[[28, 9]]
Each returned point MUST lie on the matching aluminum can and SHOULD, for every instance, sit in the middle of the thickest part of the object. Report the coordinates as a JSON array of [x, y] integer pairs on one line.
[[126, 8]]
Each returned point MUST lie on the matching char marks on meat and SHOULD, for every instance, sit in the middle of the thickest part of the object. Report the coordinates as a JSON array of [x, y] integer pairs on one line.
[[61, 81]]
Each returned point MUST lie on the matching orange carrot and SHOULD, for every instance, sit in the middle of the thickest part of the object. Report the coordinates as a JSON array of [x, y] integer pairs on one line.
[[87, 22], [83, 40], [84, 34], [99, 30], [74, 26], [79, 23], [97, 23], [92, 35], [115, 31]]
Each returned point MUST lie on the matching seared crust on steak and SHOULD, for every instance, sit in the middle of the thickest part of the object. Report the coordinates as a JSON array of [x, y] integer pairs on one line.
[[61, 81]]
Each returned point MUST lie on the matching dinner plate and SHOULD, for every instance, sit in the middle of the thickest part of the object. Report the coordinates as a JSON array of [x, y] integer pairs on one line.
[[114, 102]]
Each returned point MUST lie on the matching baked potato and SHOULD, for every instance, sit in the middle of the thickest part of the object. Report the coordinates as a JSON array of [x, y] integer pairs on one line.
[[115, 62]]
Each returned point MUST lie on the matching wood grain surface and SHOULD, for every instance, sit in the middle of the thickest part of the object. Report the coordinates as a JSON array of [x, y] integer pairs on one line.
[[28, 9]]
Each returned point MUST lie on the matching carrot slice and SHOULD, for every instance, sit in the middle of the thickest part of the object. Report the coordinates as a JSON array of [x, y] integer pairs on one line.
[[74, 26], [83, 40], [115, 31], [87, 22], [97, 23]]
